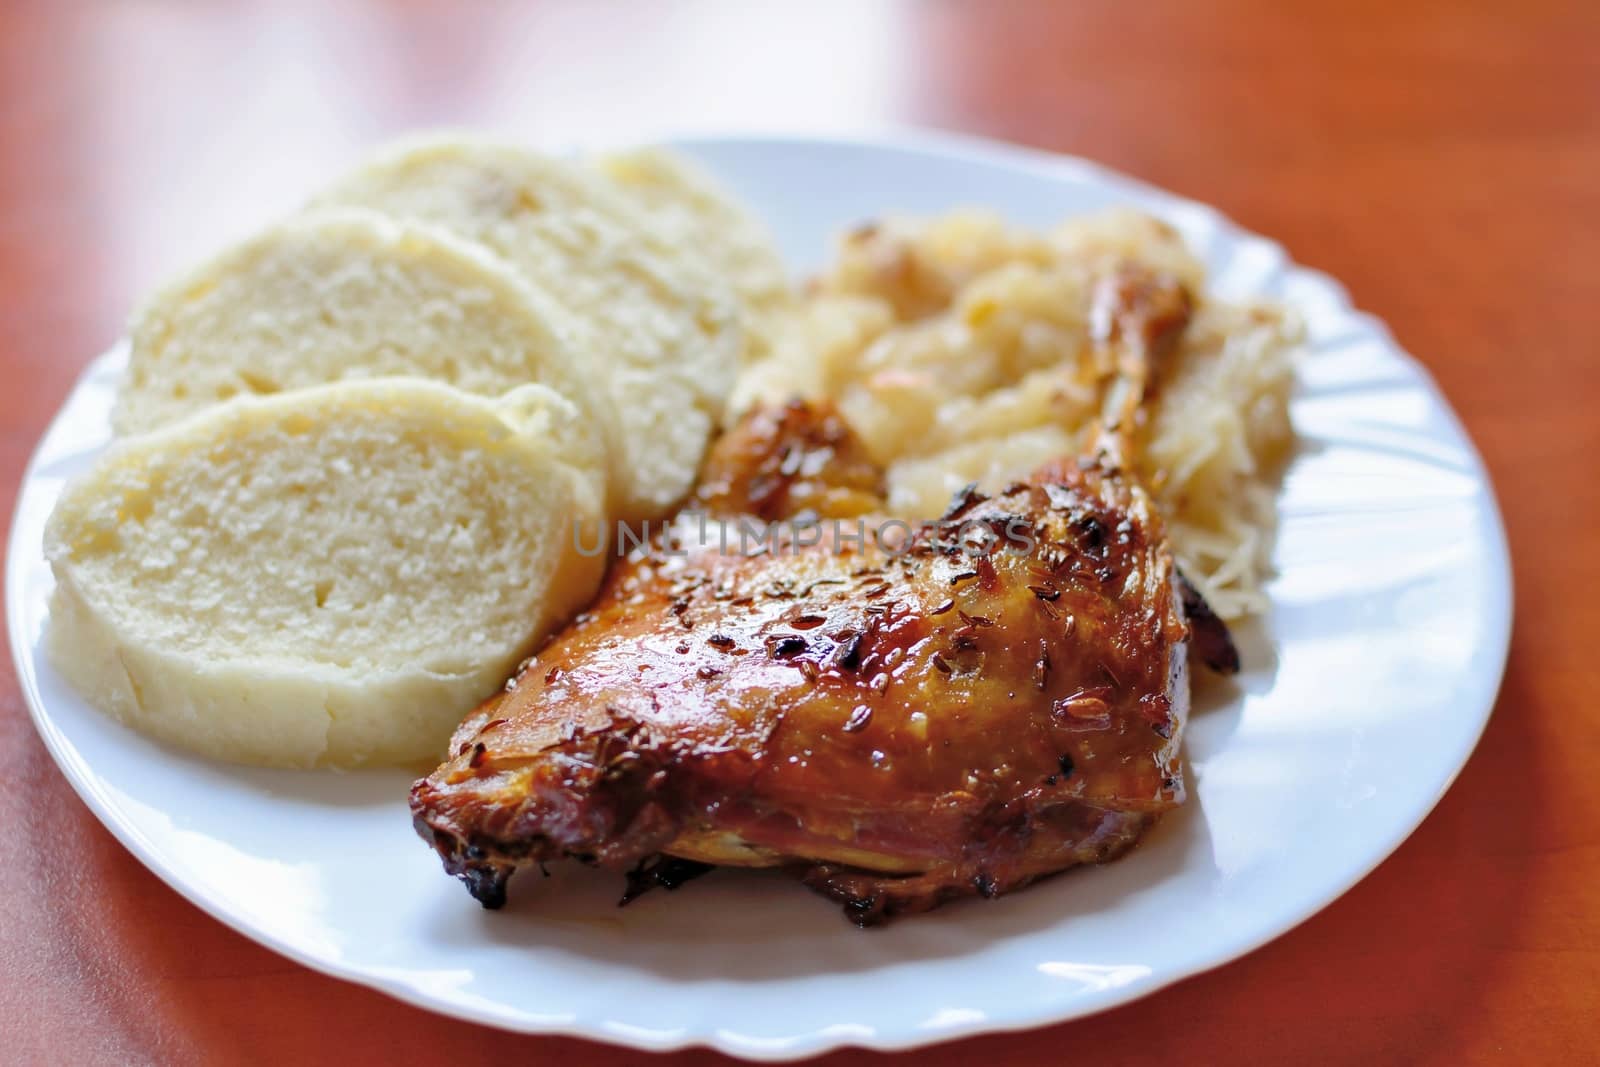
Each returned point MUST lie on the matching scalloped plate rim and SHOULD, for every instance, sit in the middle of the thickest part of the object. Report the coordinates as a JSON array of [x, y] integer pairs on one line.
[[940, 146]]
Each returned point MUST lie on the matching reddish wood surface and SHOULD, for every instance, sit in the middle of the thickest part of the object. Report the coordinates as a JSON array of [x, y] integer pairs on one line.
[[1443, 159]]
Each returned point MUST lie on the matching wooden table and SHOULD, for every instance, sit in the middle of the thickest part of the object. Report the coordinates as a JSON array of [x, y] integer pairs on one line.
[[1441, 158]]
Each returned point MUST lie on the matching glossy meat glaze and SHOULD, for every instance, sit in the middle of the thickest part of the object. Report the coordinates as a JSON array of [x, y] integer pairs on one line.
[[899, 716]]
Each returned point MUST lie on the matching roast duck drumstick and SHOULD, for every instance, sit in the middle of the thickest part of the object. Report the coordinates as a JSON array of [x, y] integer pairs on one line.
[[897, 722]]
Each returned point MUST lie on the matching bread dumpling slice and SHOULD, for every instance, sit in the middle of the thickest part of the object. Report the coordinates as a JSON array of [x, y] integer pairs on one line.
[[345, 294], [693, 208], [662, 331], [328, 577]]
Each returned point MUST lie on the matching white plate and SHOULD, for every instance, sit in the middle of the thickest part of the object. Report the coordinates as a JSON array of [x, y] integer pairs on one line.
[[1365, 694]]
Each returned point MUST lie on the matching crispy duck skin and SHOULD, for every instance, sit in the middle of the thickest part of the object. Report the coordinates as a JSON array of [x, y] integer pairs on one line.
[[990, 700], [783, 461]]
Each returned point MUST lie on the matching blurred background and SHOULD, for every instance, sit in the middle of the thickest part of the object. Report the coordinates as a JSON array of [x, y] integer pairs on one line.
[[1440, 157], [147, 133]]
